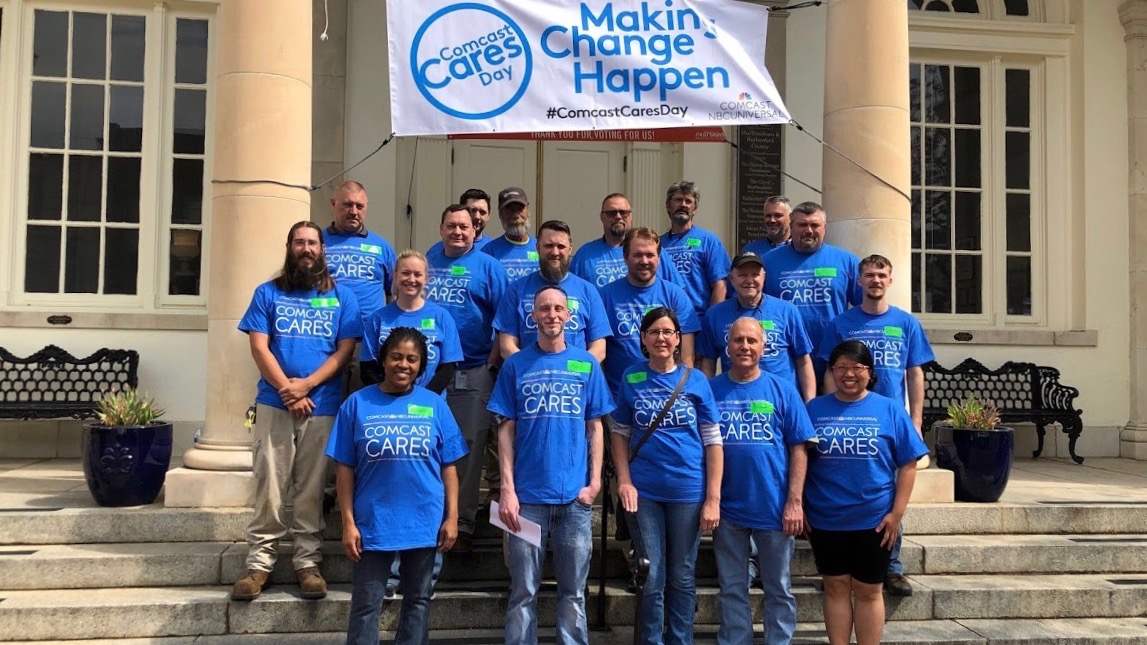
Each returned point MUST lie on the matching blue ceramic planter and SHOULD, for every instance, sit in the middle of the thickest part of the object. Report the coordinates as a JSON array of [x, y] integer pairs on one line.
[[126, 465], [980, 459]]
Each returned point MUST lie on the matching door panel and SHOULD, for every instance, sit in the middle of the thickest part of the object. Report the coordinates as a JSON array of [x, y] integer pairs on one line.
[[493, 165], [576, 177]]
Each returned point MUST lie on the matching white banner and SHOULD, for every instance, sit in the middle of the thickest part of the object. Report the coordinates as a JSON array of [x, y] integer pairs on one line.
[[556, 65]]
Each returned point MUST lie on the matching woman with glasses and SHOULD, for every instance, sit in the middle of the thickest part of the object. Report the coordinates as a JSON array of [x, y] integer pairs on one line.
[[667, 419], [859, 480]]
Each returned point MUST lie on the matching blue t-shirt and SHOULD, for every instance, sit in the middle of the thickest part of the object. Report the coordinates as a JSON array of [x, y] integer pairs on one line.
[[762, 246], [895, 338], [434, 322], [759, 421], [550, 397], [821, 284], [469, 287], [600, 263], [701, 259], [519, 260], [851, 482], [587, 316], [365, 263], [671, 465], [785, 339], [397, 446], [304, 329], [626, 305]]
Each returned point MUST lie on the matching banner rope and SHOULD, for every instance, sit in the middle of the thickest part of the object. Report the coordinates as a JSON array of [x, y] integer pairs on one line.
[[798, 5], [312, 187], [778, 169], [849, 159]]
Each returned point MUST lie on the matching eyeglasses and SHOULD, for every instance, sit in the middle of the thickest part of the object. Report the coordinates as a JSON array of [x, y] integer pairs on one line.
[[849, 369], [615, 212], [661, 333]]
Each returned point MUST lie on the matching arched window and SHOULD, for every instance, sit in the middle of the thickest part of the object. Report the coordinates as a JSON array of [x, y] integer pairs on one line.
[[956, 6]]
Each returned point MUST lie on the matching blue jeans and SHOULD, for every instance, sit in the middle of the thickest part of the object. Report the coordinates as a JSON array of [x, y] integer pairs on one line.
[[395, 580], [567, 528], [369, 577], [895, 566], [668, 534], [774, 555]]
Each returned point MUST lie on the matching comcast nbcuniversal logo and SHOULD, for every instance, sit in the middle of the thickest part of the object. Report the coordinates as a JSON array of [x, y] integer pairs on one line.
[[471, 61]]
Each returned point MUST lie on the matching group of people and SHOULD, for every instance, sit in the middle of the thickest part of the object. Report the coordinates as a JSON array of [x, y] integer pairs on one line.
[[517, 356]]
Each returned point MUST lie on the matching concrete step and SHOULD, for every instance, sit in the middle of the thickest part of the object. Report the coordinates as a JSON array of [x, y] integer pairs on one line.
[[79, 566], [157, 524], [1095, 631], [186, 611]]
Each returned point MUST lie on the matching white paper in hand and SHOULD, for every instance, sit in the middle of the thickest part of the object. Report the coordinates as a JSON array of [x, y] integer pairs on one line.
[[531, 531]]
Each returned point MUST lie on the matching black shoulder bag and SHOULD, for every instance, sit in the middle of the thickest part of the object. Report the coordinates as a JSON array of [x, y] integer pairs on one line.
[[621, 530]]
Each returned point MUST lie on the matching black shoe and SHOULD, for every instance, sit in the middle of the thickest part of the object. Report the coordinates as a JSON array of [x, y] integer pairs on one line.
[[897, 585], [464, 543]]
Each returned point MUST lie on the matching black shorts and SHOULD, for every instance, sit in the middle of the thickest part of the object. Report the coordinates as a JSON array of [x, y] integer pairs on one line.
[[851, 553]]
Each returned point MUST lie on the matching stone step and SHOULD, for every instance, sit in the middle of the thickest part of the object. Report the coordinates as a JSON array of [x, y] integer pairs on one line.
[[211, 563], [187, 611], [1089, 631]]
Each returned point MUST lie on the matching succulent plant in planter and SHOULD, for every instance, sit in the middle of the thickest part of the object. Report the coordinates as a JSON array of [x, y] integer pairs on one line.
[[127, 451], [976, 448]]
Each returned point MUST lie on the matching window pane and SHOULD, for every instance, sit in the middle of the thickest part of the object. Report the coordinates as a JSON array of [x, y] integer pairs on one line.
[[128, 36], [190, 117], [914, 92], [1019, 286], [917, 167], [123, 189], [968, 285], [50, 45], [121, 260], [186, 253], [89, 45], [967, 158], [1017, 148], [82, 265], [916, 273], [125, 129], [967, 221], [45, 186], [938, 219], [938, 283], [48, 114], [967, 97], [936, 5], [938, 156], [915, 4], [187, 191], [916, 217], [1019, 222], [966, 6], [42, 262], [1017, 95], [936, 90], [87, 117], [190, 51], [1016, 7], [85, 188]]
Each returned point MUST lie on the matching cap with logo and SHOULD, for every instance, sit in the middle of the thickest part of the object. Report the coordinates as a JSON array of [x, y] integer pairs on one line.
[[748, 257], [512, 195]]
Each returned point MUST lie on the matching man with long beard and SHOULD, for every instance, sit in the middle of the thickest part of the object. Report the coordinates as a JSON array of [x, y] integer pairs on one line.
[[515, 249], [587, 327], [302, 328], [699, 255]]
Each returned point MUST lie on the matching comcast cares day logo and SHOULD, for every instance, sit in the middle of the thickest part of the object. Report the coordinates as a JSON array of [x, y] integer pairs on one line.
[[471, 61]]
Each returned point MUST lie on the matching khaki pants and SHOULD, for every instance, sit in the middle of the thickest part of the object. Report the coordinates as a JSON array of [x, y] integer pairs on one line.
[[290, 467]]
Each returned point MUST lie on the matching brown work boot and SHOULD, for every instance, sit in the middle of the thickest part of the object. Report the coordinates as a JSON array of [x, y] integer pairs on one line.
[[311, 583], [250, 585]]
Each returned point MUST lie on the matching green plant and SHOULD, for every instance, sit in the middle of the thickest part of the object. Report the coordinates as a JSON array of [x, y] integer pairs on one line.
[[973, 414], [127, 407]]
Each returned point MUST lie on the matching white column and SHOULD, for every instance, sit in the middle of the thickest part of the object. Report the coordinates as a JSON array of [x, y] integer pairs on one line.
[[262, 132], [1133, 15]]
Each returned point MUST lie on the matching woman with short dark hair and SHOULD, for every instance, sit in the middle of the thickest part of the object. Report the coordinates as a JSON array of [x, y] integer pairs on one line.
[[860, 477]]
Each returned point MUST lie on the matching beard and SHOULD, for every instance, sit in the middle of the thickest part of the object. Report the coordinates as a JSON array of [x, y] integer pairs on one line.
[[555, 274], [619, 229], [518, 231], [551, 333], [304, 277], [680, 218]]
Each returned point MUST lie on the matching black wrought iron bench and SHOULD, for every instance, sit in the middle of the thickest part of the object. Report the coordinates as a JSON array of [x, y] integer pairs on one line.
[[53, 384], [1022, 392]]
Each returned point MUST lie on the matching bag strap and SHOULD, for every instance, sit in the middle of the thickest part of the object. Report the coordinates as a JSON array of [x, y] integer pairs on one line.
[[661, 415]]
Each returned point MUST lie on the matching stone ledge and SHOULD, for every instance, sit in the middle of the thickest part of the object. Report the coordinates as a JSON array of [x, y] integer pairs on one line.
[[142, 320], [1014, 337], [187, 488]]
